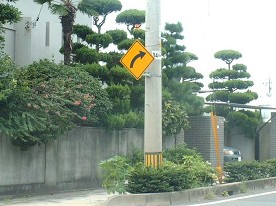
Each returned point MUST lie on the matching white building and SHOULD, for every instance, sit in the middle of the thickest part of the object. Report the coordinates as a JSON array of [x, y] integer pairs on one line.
[[31, 40]]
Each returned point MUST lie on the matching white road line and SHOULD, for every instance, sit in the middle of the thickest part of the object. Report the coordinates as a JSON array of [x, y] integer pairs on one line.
[[233, 199]]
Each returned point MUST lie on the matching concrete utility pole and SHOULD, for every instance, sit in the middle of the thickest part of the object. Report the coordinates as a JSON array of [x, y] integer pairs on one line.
[[153, 87]]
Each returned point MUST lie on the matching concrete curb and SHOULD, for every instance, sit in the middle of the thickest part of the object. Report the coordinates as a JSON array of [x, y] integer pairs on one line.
[[171, 198]]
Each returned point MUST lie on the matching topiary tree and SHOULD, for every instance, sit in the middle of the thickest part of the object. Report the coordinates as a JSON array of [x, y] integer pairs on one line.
[[107, 67], [232, 85], [180, 80], [99, 10], [133, 18], [111, 72], [228, 56]]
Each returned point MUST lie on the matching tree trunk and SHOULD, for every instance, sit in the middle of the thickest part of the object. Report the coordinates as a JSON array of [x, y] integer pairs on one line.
[[67, 22]]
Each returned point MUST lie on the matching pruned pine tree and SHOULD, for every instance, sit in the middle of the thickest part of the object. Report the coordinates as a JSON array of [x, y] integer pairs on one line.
[[232, 85], [180, 80]]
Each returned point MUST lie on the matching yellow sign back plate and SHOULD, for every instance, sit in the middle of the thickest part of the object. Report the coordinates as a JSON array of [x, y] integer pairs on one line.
[[137, 59]]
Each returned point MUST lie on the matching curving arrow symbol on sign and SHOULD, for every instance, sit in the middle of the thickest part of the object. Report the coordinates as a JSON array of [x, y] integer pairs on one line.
[[140, 55]]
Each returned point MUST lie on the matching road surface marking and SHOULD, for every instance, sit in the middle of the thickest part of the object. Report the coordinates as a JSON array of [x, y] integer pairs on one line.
[[233, 199]]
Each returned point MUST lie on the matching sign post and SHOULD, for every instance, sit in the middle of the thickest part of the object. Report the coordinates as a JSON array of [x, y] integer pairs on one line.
[[153, 88], [136, 60]]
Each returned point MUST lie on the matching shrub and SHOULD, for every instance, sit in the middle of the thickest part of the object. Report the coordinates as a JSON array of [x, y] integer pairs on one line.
[[174, 118], [133, 119], [272, 165], [120, 96], [188, 171], [246, 170], [180, 177], [168, 177], [120, 121], [148, 180], [44, 100], [86, 55], [176, 154], [204, 173], [114, 173], [192, 159], [135, 156], [115, 122]]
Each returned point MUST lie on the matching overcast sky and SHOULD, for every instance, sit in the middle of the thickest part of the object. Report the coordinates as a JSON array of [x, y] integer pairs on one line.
[[246, 26]]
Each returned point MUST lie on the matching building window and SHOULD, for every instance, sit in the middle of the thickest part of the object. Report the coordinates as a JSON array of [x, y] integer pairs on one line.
[[47, 40]]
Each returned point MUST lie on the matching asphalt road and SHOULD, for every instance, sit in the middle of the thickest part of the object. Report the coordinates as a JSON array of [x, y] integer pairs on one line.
[[262, 198]]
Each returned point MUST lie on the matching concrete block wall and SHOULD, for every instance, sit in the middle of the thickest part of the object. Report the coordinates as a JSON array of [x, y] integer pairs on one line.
[[67, 163], [200, 135], [273, 136], [263, 142], [72, 161], [21, 167], [245, 144]]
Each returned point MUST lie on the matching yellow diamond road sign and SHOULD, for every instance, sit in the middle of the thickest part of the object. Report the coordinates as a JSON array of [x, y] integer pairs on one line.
[[137, 59]]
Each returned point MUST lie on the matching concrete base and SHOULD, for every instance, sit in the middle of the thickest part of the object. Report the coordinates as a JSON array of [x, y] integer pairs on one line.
[[173, 198]]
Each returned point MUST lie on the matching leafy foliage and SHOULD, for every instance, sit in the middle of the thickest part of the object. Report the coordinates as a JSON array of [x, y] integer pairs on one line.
[[248, 121], [7, 81], [148, 180], [174, 118], [117, 35], [125, 44], [135, 156], [86, 55], [139, 34], [247, 170], [120, 95], [9, 13], [192, 159], [82, 31], [115, 171], [96, 70], [194, 172], [44, 100], [177, 153], [127, 120], [119, 75], [182, 169], [100, 40], [180, 80], [272, 166]]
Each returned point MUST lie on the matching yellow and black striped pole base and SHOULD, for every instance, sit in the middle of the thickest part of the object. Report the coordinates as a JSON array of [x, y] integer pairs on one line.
[[153, 159]]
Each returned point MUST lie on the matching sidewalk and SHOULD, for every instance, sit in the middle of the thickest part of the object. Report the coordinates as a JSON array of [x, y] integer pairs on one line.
[[78, 198]]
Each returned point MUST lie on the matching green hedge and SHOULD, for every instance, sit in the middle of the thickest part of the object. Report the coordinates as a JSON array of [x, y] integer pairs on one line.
[[249, 170]]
